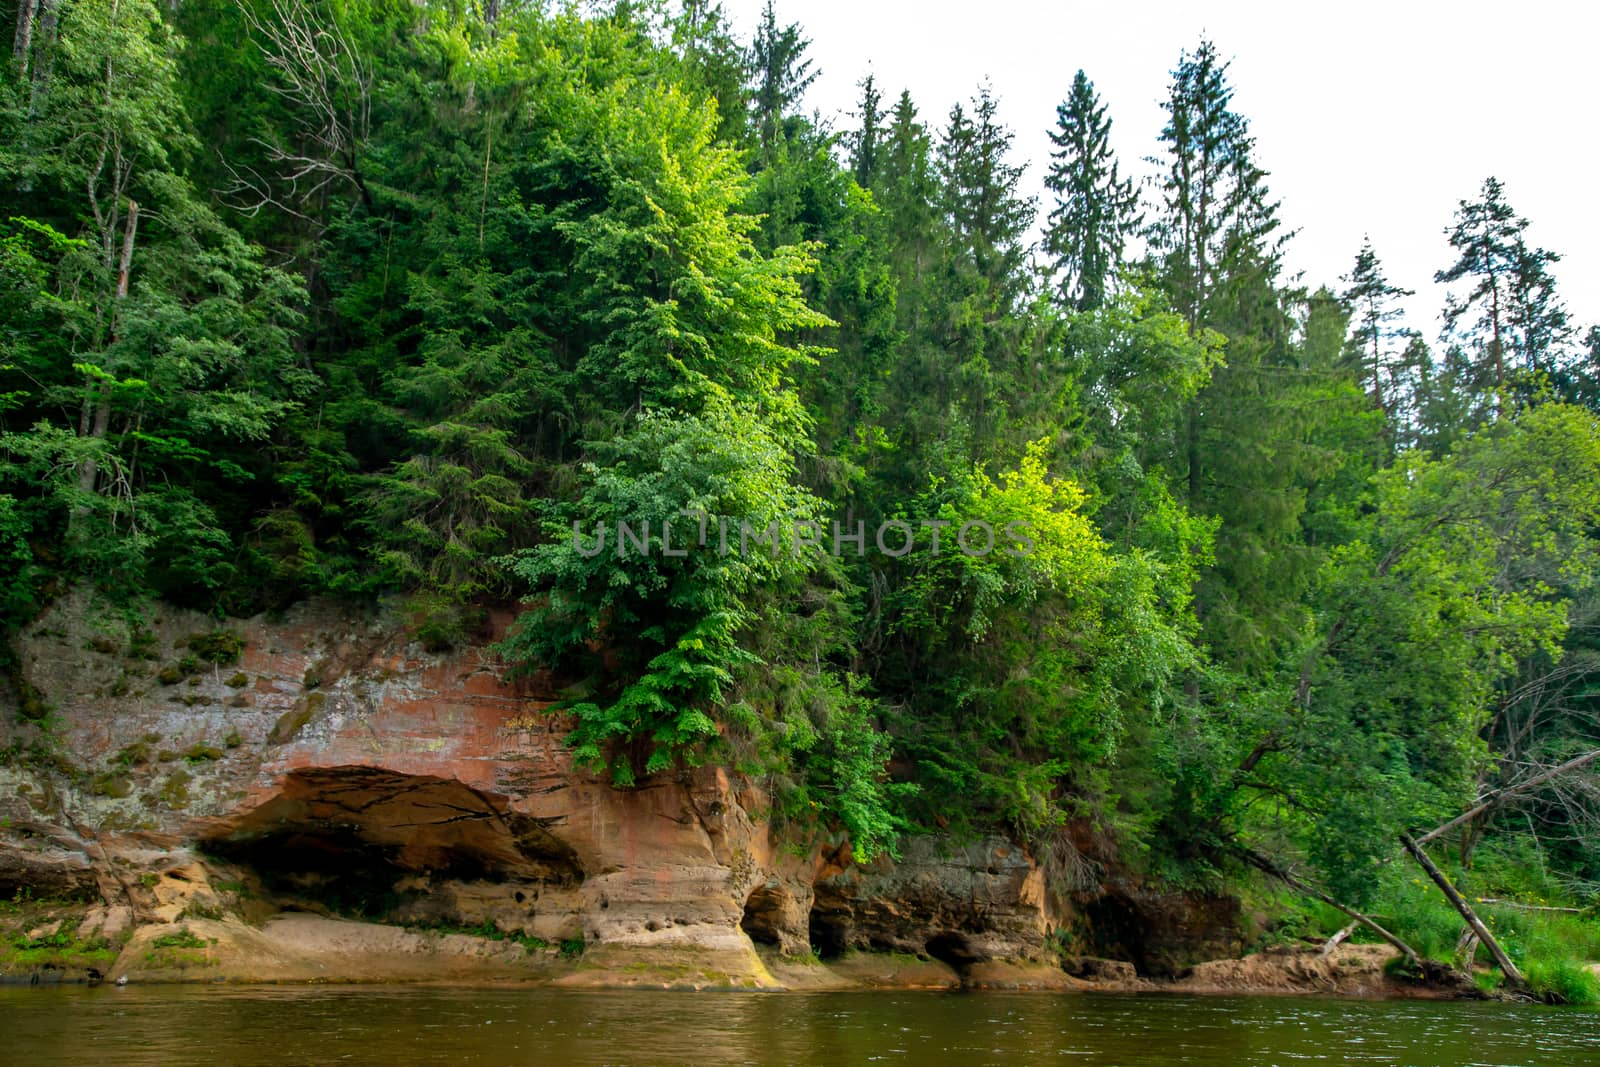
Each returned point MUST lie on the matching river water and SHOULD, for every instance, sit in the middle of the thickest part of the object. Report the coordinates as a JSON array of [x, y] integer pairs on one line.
[[282, 1026]]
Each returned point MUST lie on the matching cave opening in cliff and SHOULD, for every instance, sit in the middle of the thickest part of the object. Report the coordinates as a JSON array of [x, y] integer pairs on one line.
[[952, 948], [367, 842], [763, 915], [829, 932], [1118, 931]]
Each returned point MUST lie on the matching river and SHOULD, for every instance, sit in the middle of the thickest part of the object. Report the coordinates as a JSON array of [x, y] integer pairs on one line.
[[281, 1026]]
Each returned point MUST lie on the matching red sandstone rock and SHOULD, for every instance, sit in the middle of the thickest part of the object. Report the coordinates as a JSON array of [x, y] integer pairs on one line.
[[368, 776]]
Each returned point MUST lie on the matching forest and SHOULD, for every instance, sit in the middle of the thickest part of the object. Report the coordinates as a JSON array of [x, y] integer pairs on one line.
[[380, 299]]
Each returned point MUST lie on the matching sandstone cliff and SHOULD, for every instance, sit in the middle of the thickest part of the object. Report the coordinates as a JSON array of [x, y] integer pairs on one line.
[[232, 800]]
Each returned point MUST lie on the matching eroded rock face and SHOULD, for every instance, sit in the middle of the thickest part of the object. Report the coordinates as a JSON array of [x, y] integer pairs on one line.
[[1162, 934], [336, 768], [957, 903]]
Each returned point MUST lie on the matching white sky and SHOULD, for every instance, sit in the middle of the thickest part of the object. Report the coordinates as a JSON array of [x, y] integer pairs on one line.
[[1373, 118]]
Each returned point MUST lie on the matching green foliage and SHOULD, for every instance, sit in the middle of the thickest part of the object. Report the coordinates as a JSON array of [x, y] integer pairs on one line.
[[1553, 948], [1292, 581], [1564, 981], [1101, 634], [1095, 210], [136, 421], [671, 622], [1380, 721], [218, 647], [183, 937]]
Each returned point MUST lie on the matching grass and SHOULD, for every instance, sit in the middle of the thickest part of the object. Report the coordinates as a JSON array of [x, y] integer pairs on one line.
[[181, 949], [489, 930], [183, 938], [67, 956], [60, 949], [1551, 948], [1563, 981]]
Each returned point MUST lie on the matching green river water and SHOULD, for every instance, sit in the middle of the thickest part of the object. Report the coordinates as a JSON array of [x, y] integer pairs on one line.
[[282, 1026]]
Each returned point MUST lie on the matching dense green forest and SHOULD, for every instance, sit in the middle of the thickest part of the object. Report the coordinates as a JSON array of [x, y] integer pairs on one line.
[[380, 298]]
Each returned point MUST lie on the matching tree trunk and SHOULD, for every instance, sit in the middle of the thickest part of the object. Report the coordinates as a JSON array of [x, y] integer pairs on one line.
[[24, 39], [483, 203], [1338, 939], [101, 390], [1500, 796], [46, 50], [1528, 907], [1499, 350], [1255, 859], [1466, 948], [1513, 975]]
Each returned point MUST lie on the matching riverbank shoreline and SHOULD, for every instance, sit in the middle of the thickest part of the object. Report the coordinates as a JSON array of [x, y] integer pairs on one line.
[[303, 949]]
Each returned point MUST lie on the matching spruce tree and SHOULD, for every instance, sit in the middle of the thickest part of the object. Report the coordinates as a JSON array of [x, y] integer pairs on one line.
[[1210, 183], [1096, 210], [1253, 444], [865, 141], [781, 74], [981, 199]]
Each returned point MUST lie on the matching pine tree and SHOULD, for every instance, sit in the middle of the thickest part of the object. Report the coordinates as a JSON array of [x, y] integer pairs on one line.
[[1446, 397], [1580, 384], [1257, 440], [1540, 326], [1215, 194], [1371, 299], [1488, 240], [1218, 223], [906, 189], [1095, 210]]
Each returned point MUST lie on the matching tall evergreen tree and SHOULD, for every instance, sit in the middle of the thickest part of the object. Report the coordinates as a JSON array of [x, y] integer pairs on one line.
[[716, 64], [1218, 223], [1257, 439], [1509, 317], [1541, 328], [980, 194], [1371, 299], [1095, 209], [906, 189], [781, 75], [906, 184], [1213, 189], [865, 142], [1580, 384]]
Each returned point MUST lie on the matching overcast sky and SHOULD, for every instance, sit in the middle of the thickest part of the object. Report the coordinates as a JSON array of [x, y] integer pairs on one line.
[[1373, 118]]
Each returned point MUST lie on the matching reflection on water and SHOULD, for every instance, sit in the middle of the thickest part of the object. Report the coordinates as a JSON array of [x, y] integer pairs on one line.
[[278, 1026]]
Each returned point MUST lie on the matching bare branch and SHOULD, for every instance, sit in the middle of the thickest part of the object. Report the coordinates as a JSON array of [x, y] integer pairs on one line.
[[328, 84]]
